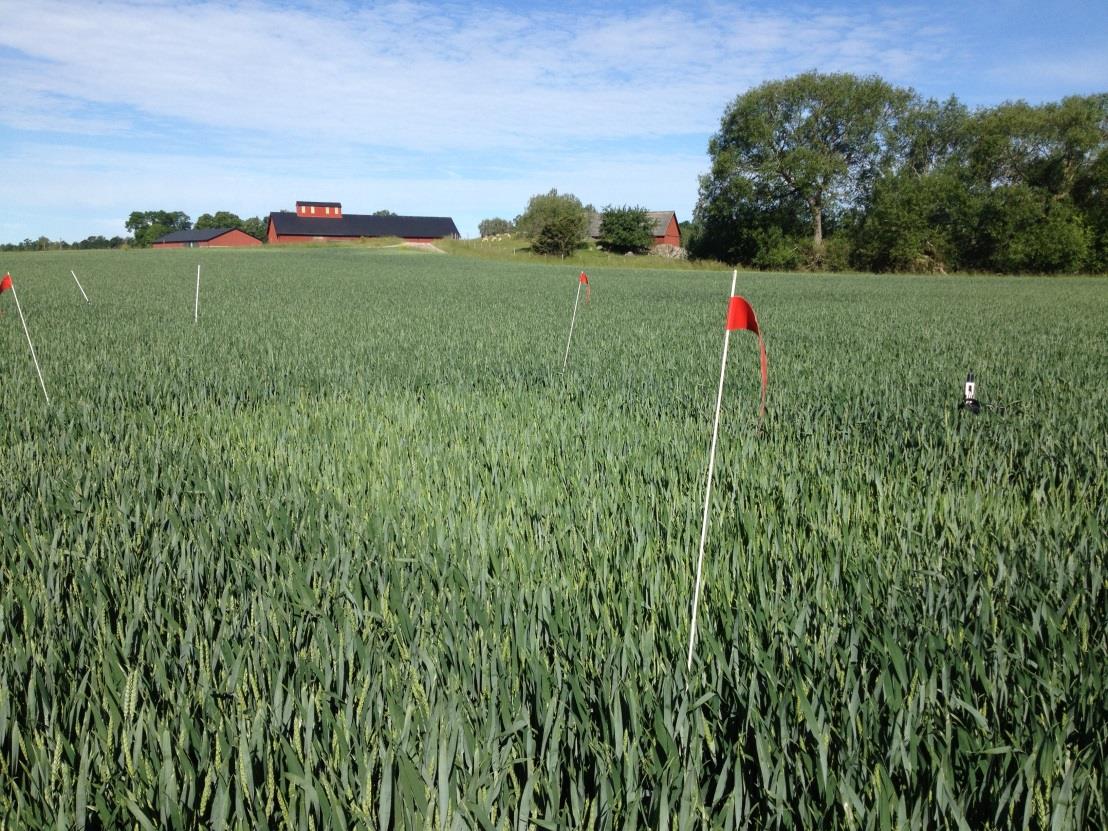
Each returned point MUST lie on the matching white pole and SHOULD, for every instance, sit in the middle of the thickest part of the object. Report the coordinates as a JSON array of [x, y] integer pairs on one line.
[[28, 334], [71, 271], [572, 320], [708, 488], [196, 305]]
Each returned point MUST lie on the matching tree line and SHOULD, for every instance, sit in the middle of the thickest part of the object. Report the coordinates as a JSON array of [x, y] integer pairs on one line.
[[834, 171], [47, 244], [148, 226], [557, 224], [841, 172]]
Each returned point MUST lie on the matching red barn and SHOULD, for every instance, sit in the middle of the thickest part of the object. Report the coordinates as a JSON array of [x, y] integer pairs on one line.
[[666, 230], [325, 221], [207, 238]]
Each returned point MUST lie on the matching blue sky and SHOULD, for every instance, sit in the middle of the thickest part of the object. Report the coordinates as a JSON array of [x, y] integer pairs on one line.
[[458, 109]]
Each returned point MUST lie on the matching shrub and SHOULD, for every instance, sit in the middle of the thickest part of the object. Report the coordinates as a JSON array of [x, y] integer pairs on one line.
[[1025, 231], [626, 230], [554, 222], [774, 251], [494, 226]]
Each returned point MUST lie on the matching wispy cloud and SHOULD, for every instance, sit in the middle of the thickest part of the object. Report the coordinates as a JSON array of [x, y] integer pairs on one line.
[[469, 108], [425, 76]]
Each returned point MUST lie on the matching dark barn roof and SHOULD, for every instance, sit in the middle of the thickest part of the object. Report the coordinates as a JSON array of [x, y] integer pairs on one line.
[[286, 223], [194, 235]]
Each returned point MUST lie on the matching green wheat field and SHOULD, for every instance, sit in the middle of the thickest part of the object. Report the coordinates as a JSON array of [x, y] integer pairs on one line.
[[351, 552]]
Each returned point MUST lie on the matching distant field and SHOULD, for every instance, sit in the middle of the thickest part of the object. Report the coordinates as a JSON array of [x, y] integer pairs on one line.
[[351, 552]]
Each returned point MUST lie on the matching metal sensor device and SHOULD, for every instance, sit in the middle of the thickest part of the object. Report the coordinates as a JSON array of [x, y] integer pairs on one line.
[[969, 399]]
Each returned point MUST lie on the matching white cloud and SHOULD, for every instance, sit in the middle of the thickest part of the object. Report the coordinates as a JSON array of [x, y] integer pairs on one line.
[[417, 106], [413, 75]]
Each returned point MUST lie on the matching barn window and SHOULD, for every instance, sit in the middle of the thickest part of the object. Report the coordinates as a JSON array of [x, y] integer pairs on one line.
[[313, 209]]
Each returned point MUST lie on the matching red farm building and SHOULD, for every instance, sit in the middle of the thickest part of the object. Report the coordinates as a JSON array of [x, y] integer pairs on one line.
[[207, 238], [666, 230], [325, 221]]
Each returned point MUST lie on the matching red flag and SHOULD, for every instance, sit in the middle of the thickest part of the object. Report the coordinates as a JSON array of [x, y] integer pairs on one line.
[[584, 278], [740, 315], [6, 283]]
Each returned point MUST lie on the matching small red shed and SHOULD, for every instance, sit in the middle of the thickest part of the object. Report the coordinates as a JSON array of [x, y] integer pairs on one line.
[[207, 238], [666, 229]]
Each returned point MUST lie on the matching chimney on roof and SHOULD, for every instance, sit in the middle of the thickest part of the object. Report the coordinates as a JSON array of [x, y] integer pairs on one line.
[[319, 210]]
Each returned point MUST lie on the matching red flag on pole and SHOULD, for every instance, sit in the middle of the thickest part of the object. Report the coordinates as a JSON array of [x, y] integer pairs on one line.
[[582, 280], [5, 284], [740, 315]]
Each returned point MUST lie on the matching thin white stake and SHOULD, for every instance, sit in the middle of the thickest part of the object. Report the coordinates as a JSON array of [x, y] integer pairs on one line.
[[196, 305], [708, 488], [79, 286], [28, 334], [572, 320], [71, 271]]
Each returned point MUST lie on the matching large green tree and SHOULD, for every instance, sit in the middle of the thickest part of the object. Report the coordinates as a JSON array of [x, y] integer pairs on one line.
[[494, 226], [253, 225], [1018, 231], [147, 226], [920, 223], [1012, 188], [554, 222], [919, 215], [738, 221], [220, 219], [1040, 173], [626, 229], [930, 136], [816, 140], [1090, 195], [1047, 146]]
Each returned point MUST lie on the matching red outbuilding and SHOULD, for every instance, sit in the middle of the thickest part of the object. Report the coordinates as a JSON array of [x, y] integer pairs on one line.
[[666, 229], [207, 238]]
